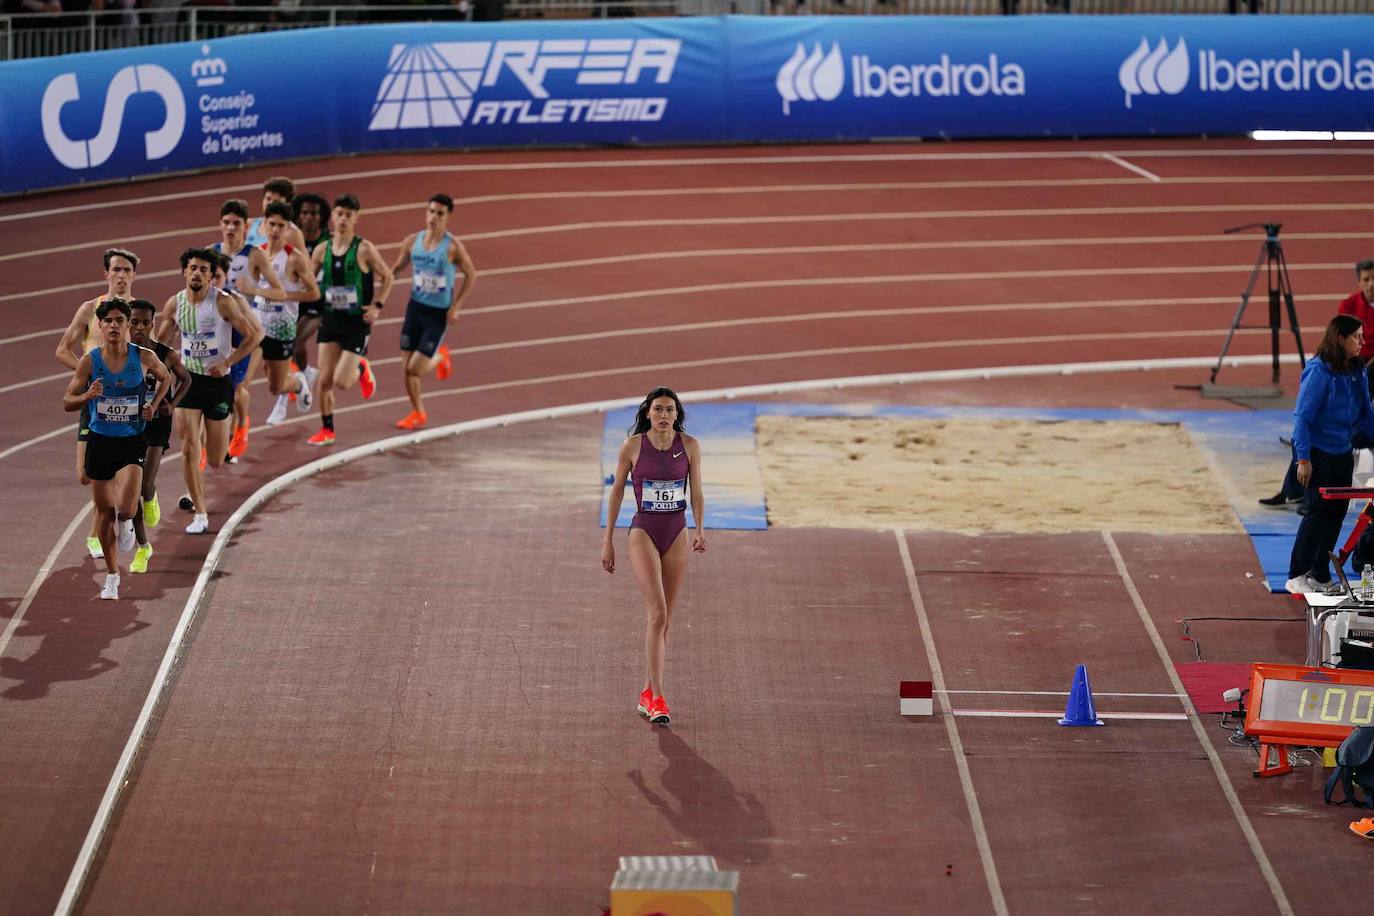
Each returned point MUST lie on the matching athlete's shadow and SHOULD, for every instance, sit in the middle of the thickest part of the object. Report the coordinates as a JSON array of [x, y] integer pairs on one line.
[[730, 825], [75, 626]]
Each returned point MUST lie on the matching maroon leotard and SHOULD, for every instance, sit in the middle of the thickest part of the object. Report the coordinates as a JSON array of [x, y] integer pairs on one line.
[[663, 515]]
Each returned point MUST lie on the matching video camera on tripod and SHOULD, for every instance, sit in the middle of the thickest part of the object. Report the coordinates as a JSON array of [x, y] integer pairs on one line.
[[1280, 291]]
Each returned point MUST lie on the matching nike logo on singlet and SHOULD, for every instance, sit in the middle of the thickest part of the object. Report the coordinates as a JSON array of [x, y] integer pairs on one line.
[[677, 454]]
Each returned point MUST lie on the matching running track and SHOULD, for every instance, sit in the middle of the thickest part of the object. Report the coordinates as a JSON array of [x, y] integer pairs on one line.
[[335, 741]]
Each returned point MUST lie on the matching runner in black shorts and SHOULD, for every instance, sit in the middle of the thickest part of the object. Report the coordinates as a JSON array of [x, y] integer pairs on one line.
[[312, 216], [349, 269], [158, 430]]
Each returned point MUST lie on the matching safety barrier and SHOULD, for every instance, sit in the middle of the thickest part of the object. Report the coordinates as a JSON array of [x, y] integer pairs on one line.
[[127, 113]]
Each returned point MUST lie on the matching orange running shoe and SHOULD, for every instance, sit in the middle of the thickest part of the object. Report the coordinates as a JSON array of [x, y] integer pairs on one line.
[[646, 699], [444, 366], [367, 383], [1363, 827], [238, 444], [413, 420], [323, 437], [658, 711]]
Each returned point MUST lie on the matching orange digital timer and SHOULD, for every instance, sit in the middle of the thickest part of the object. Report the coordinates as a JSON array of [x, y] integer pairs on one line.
[[1312, 707]]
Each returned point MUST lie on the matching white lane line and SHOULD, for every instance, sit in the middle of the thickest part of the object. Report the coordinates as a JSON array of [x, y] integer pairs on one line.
[[307, 181], [41, 380], [1028, 714], [1144, 173], [1055, 693], [1246, 828], [118, 779], [738, 190], [1186, 362], [42, 575], [828, 218], [980, 833], [32, 335]]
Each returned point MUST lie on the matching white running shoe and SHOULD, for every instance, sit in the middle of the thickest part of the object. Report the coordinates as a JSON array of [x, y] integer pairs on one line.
[[305, 398], [125, 540], [1303, 585], [199, 525], [111, 590], [278, 414]]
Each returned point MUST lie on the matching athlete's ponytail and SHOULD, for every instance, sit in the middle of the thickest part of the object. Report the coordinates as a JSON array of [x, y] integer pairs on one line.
[[641, 423]]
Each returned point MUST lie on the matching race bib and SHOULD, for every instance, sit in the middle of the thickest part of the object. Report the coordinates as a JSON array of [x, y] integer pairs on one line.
[[663, 496], [268, 307], [117, 410], [431, 284], [199, 346], [342, 298]]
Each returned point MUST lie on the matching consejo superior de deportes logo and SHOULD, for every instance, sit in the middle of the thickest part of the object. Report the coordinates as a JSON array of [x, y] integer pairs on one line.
[[1151, 71], [129, 81]]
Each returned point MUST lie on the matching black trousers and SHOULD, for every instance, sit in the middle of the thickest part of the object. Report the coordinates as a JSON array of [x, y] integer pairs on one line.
[[1321, 526]]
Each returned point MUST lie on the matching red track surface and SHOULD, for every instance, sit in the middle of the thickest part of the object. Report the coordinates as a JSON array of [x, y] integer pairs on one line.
[[336, 745]]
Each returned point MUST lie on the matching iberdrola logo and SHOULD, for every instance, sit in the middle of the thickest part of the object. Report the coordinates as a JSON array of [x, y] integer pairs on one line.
[[808, 77], [1150, 72]]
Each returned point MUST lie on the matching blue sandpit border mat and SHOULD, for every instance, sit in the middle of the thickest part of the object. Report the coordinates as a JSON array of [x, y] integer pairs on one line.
[[1242, 447]]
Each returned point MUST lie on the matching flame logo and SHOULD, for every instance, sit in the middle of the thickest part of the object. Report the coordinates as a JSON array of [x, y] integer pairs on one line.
[[810, 77], [1150, 71]]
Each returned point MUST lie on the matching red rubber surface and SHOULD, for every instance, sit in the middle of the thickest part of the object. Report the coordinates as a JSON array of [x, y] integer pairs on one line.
[[412, 684]]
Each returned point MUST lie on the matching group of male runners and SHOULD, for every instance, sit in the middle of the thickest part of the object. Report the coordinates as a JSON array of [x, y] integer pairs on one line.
[[253, 298]]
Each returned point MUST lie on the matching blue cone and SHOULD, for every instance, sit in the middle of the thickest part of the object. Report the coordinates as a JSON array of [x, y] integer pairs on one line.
[[1080, 710]]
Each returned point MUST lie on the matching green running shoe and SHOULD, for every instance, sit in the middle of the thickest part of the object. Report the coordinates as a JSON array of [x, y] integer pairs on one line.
[[93, 545], [139, 564], [152, 512]]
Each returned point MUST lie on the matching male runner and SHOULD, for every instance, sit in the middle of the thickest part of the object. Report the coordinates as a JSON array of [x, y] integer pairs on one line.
[[293, 266], [206, 317], [81, 337], [110, 383], [349, 268], [435, 256], [158, 430], [312, 215], [275, 190], [249, 266]]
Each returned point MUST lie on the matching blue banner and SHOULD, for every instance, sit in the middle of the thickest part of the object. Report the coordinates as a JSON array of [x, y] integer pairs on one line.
[[117, 114]]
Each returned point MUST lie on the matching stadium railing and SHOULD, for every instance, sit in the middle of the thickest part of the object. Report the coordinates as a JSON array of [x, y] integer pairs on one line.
[[25, 35]]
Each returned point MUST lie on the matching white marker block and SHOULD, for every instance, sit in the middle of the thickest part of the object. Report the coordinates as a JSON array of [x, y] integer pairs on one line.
[[917, 698]]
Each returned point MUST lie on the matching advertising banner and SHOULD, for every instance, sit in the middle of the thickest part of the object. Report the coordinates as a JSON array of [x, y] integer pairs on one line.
[[116, 114]]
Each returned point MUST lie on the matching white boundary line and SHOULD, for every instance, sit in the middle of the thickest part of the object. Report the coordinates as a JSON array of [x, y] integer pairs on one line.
[[1144, 173], [956, 746], [1246, 828], [1028, 714], [41, 576], [105, 810], [574, 165]]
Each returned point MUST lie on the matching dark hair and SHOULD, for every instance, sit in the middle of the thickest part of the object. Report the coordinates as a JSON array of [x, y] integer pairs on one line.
[[222, 260], [126, 254], [208, 255], [279, 185], [641, 423], [111, 305], [348, 202], [1332, 348], [279, 208], [443, 199], [236, 206], [1363, 264], [301, 200], [137, 304]]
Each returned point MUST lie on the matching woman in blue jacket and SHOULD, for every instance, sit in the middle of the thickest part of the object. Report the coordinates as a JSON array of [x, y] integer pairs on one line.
[[1333, 402]]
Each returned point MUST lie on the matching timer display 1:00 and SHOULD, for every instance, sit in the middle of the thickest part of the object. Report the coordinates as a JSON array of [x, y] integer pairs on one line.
[[1330, 704]]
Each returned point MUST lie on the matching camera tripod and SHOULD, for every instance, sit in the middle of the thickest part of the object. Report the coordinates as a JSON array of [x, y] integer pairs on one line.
[[1280, 290]]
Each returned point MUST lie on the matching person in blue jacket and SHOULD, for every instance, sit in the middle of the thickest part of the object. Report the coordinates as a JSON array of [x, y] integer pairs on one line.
[[1333, 404]]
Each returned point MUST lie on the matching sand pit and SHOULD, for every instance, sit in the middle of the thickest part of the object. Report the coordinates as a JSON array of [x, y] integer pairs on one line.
[[975, 475]]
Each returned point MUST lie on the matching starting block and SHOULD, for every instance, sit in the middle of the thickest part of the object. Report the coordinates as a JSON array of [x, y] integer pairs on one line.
[[675, 886], [917, 698]]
